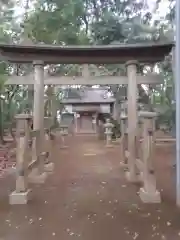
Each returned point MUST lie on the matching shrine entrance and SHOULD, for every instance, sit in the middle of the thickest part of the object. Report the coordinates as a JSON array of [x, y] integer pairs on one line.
[[85, 122], [40, 55]]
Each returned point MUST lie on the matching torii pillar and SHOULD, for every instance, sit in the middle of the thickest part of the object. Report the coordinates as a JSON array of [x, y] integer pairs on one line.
[[38, 113], [132, 119]]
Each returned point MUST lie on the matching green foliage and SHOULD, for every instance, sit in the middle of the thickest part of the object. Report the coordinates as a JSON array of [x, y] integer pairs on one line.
[[56, 22], [84, 22]]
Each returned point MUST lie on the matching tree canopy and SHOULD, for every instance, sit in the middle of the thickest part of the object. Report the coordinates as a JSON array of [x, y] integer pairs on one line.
[[85, 22]]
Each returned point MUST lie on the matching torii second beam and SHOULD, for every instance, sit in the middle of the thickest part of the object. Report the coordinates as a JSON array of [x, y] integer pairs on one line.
[[97, 80]]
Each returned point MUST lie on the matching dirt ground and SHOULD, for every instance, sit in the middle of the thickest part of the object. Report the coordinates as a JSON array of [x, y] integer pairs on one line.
[[87, 197]]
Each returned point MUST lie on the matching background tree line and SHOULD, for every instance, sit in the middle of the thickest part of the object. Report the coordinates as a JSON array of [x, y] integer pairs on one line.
[[81, 22]]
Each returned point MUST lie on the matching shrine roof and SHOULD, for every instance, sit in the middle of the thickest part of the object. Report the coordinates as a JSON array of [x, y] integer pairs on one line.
[[119, 53], [91, 96]]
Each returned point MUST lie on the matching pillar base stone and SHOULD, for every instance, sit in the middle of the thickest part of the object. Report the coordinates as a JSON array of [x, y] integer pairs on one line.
[[34, 177], [49, 167], [133, 178], [20, 197], [149, 197]]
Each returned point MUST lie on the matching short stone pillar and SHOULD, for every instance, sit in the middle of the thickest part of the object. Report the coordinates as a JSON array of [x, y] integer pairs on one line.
[[21, 194], [76, 122], [101, 135], [63, 133], [148, 193], [94, 123], [48, 154], [108, 132], [123, 145]]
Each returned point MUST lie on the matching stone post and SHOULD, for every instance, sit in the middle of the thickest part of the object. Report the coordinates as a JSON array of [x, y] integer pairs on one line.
[[49, 154], [63, 134], [132, 119], [49, 122], [38, 113], [148, 193], [94, 122], [21, 194], [108, 132], [75, 123], [123, 144], [52, 103], [101, 134]]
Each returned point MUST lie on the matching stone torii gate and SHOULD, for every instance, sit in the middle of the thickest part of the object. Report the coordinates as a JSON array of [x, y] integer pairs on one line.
[[131, 55]]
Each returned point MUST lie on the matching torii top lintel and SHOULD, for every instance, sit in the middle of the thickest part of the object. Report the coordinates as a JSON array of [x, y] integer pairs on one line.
[[95, 54]]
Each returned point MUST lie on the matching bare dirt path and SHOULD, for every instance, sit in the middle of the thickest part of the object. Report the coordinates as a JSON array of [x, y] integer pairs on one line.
[[88, 198]]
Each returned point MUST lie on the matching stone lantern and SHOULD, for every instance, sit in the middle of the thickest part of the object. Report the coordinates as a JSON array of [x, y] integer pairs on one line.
[[108, 132]]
